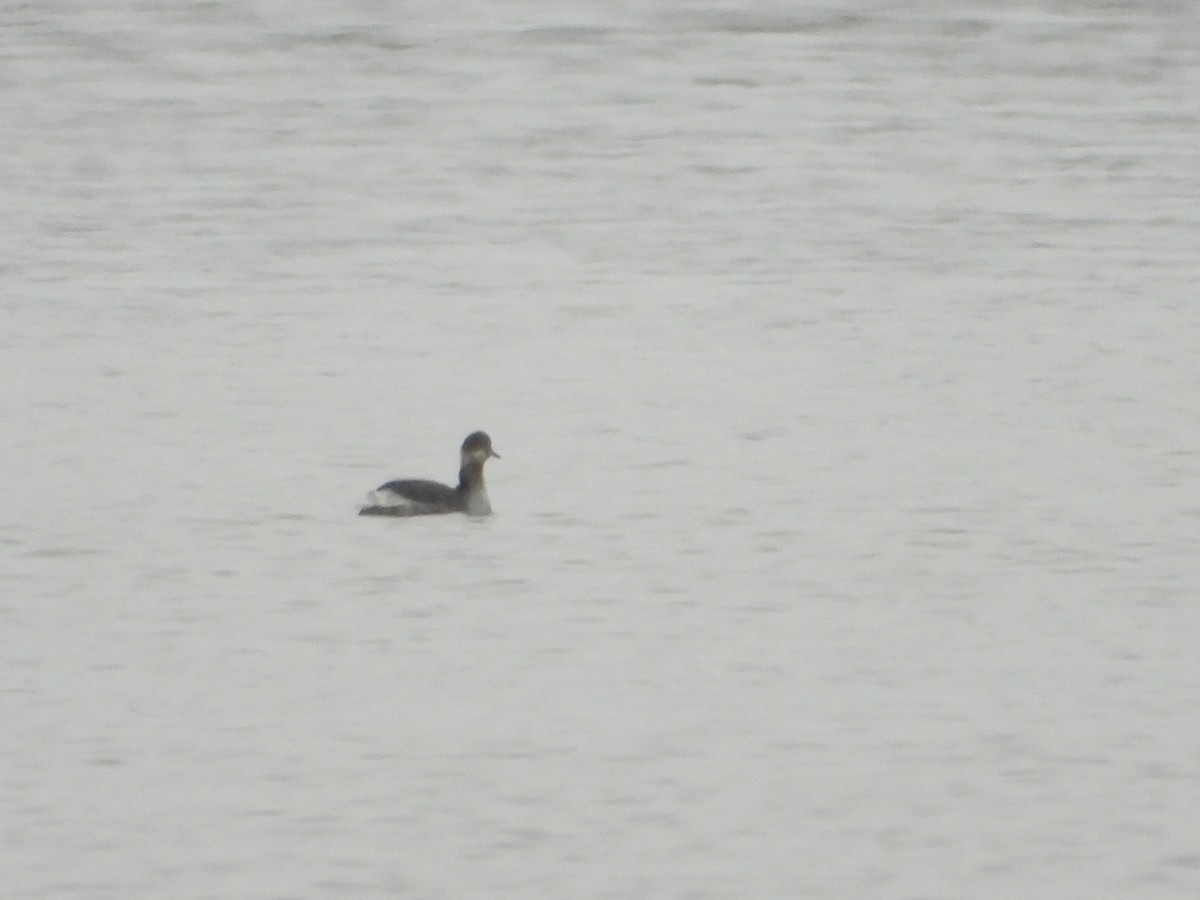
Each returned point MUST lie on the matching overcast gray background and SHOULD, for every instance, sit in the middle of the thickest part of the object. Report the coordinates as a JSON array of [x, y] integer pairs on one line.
[[843, 360]]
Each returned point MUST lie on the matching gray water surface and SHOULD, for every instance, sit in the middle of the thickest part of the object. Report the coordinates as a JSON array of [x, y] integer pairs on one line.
[[843, 360]]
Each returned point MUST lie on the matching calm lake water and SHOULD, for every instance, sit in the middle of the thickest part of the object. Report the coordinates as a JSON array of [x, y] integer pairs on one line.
[[843, 361]]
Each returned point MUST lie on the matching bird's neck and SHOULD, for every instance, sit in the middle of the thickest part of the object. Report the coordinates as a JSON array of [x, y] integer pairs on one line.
[[470, 476]]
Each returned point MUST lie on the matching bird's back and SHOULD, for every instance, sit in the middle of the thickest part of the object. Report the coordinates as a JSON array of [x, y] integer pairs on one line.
[[412, 497]]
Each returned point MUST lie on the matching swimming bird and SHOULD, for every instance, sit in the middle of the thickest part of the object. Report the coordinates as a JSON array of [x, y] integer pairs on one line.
[[417, 497]]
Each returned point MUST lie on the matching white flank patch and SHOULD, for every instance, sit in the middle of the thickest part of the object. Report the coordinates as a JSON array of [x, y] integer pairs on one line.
[[390, 499]]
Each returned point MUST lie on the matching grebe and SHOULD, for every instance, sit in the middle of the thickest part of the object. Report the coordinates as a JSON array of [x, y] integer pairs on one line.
[[417, 497]]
